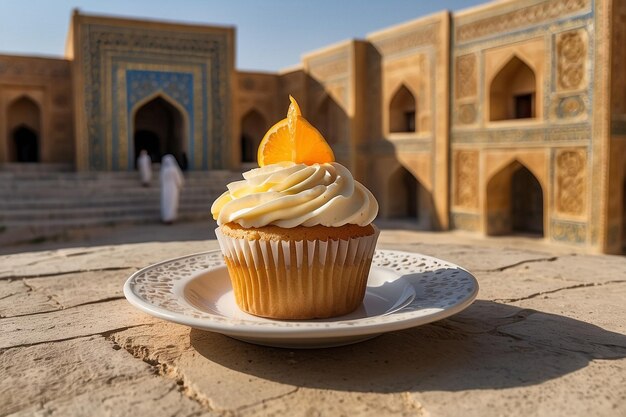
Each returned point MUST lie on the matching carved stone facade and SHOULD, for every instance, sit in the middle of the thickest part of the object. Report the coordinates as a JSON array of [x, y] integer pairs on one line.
[[256, 110], [466, 76], [466, 184], [414, 67], [534, 65], [571, 176], [117, 60], [424, 35], [518, 17], [46, 84], [572, 60], [504, 118]]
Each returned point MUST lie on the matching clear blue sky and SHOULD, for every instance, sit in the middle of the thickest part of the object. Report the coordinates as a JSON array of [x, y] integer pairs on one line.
[[271, 34]]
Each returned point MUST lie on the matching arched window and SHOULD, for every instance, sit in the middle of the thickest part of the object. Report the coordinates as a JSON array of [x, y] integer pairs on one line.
[[24, 121], [159, 129], [514, 202], [253, 127], [513, 92], [402, 111]]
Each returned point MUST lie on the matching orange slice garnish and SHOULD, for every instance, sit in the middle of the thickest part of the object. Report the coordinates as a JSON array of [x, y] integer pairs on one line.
[[294, 139]]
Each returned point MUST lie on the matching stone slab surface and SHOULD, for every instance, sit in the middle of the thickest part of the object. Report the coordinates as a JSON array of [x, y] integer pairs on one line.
[[546, 337], [70, 323], [105, 258], [17, 298]]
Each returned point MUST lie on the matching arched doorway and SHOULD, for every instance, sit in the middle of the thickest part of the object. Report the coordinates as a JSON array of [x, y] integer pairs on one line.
[[329, 120], [159, 128], [408, 199], [24, 121], [26, 144], [514, 202], [513, 92], [402, 111], [253, 128]]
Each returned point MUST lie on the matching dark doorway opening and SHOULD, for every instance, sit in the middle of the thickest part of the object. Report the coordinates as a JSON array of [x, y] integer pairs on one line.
[[23, 134], [159, 129], [26, 144], [247, 149], [253, 127], [145, 139], [527, 203], [408, 199]]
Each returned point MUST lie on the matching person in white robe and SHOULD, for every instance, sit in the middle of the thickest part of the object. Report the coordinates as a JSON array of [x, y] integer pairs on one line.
[[144, 164], [171, 183]]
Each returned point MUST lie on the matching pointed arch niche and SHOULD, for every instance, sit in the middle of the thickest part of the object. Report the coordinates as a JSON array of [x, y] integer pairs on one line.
[[403, 111], [513, 92], [160, 127], [24, 130], [330, 119], [515, 202], [253, 127], [407, 198]]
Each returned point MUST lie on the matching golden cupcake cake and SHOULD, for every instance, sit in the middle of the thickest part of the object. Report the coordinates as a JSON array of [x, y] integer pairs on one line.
[[297, 232]]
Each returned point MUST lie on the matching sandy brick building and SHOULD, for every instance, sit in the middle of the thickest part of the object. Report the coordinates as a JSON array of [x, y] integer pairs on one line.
[[505, 118]]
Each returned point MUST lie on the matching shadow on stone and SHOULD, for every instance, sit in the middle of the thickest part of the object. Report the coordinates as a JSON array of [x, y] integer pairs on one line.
[[487, 346]]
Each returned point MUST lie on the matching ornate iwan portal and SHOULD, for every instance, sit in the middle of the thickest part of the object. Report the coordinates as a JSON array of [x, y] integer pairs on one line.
[[123, 65]]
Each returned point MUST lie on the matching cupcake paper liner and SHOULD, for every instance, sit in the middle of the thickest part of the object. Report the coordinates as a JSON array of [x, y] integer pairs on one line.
[[298, 279]]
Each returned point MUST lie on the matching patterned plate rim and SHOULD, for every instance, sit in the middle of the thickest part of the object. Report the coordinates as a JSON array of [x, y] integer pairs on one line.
[[402, 319]]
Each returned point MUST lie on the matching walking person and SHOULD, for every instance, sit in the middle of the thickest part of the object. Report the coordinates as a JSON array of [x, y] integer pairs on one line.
[[144, 164], [184, 162], [171, 183]]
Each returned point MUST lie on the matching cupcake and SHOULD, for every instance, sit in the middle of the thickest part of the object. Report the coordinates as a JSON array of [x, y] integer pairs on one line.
[[297, 232]]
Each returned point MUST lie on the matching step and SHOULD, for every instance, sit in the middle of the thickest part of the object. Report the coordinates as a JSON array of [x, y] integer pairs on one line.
[[34, 168], [109, 201], [79, 176], [29, 232], [40, 203], [18, 184], [86, 219], [37, 214], [50, 192]]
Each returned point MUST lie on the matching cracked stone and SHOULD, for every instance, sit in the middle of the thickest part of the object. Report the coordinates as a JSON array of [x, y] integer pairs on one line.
[[313, 402], [584, 392], [70, 323], [559, 350], [16, 298], [582, 268], [205, 380], [563, 334], [472, 258], [72, 378], [518, 283], [34, 264], [82, 288], [595, 304]]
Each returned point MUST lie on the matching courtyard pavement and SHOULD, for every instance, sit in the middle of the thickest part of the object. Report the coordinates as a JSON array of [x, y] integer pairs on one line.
[[398, 231], [545, 337]]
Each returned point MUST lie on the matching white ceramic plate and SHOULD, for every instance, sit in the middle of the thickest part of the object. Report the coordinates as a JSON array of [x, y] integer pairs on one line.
[[403, 290]]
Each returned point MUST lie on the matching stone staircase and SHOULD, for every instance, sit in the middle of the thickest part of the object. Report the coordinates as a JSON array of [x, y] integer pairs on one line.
[[41, 204]]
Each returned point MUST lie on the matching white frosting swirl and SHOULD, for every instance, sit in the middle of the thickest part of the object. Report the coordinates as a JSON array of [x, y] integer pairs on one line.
[[289, 195]]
